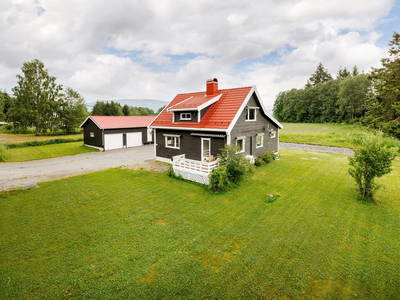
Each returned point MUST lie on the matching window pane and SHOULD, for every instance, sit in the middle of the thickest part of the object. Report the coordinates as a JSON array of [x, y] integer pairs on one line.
[[252, 114], [239, 143], [259, 140], [170, 141], [177, 142]]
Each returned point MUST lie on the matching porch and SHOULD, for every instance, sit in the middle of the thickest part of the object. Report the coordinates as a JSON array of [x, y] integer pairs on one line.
[[194, 170]]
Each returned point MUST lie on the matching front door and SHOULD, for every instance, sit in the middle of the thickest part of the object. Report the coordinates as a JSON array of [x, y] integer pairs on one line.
[[205, 149]]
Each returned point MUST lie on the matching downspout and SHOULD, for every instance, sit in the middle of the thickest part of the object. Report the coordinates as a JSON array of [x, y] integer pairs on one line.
[[228, 137], [155, 143]]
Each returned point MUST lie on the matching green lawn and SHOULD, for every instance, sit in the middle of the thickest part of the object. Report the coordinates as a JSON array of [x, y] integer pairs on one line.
[[336, 135], [46, 151], [123, 234]]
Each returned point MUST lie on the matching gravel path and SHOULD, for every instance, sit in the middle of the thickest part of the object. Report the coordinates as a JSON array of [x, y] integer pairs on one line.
[[27, 174], [336, 150]]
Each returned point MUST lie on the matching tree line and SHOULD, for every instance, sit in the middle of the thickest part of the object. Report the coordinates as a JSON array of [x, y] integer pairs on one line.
[[112, 108], [371, 99], [324, 99]]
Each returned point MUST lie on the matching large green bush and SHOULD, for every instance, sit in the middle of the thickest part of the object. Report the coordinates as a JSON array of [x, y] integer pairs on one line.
[[219, 181], [372, 159], [235, 170]]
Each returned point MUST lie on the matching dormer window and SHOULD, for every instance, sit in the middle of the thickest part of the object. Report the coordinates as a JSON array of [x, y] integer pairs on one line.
[[251, 114], [186, 116]]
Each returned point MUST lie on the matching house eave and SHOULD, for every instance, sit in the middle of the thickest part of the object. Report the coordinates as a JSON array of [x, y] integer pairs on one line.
[[190, 128]]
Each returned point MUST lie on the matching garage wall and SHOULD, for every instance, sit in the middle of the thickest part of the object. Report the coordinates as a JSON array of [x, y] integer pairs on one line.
[[97, 139], [143, 130]]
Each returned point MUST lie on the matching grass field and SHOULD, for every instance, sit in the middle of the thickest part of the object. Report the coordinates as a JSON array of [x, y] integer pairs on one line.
[[46, 151], [336, 135], [123, 234], [20, 138]]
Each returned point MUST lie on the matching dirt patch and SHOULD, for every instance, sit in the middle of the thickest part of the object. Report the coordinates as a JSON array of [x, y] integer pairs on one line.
[[149, 165]]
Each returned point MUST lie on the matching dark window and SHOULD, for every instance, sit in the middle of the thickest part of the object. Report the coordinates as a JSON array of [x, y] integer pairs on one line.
[[251, 114], [186, 116]]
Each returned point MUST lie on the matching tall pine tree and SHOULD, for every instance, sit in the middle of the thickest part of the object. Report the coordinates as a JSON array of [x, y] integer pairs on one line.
[[384, 106], [321, 75]]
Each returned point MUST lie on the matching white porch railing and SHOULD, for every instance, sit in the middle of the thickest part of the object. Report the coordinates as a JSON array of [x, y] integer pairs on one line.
[[193, 170]]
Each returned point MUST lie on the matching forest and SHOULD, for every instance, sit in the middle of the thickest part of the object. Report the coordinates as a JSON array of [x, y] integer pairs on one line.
[[371, 99]]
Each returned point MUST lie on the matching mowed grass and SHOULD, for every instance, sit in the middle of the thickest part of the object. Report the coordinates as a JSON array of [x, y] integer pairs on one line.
[[124, 234], [336, 135], [46, 151]]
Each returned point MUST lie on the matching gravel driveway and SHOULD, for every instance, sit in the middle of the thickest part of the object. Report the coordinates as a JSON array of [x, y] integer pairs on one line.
[[336, 150], [28, 174]]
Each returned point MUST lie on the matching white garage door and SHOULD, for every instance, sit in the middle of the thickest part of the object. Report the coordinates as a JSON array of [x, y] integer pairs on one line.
[[134, 139], [113, 141]]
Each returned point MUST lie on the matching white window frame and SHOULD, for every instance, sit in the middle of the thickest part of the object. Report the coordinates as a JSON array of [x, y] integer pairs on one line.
[[203, 158], [186, 116], [272, 134], [262, 140], [244, 143], [248, 109], [176, 140], [92, 134]]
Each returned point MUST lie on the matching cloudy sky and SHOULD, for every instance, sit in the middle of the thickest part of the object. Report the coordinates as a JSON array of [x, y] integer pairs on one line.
[[155, 49]]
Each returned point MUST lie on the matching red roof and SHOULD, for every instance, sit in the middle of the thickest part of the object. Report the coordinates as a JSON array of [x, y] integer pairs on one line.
[[193, 102], [219, 116], [108, 122]]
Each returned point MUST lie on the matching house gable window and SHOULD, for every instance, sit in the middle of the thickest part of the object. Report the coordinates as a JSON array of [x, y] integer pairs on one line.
[[186, 116], [251, 113], [172, 141], [272, 134], [91, 134], [240, 143], [259, 140]]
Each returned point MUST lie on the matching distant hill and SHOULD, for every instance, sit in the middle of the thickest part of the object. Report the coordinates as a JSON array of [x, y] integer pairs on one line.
[[149, 103]]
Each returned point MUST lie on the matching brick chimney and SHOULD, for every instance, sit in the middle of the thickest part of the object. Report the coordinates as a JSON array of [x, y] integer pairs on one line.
[[212, 86]]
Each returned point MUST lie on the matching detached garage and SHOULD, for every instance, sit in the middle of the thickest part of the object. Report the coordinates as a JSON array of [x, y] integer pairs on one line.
[[116, 132]]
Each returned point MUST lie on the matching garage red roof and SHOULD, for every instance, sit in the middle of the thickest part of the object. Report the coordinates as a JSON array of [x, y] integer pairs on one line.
[[219, 116], [108, 122]]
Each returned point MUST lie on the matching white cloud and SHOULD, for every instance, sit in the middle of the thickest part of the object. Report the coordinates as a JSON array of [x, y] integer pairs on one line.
[[108, 49]]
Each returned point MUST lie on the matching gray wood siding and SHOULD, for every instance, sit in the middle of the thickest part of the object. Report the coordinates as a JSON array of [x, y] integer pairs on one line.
[[251, 128], [204, 111], [97, 140], [189, 145], [143, 130]]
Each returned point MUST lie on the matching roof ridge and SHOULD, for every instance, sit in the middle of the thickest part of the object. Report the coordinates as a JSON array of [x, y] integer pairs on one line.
[[219, 90]]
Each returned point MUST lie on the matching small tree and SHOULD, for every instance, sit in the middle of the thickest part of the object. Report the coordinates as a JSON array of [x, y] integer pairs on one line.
[[73, 110], [372, 159]]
